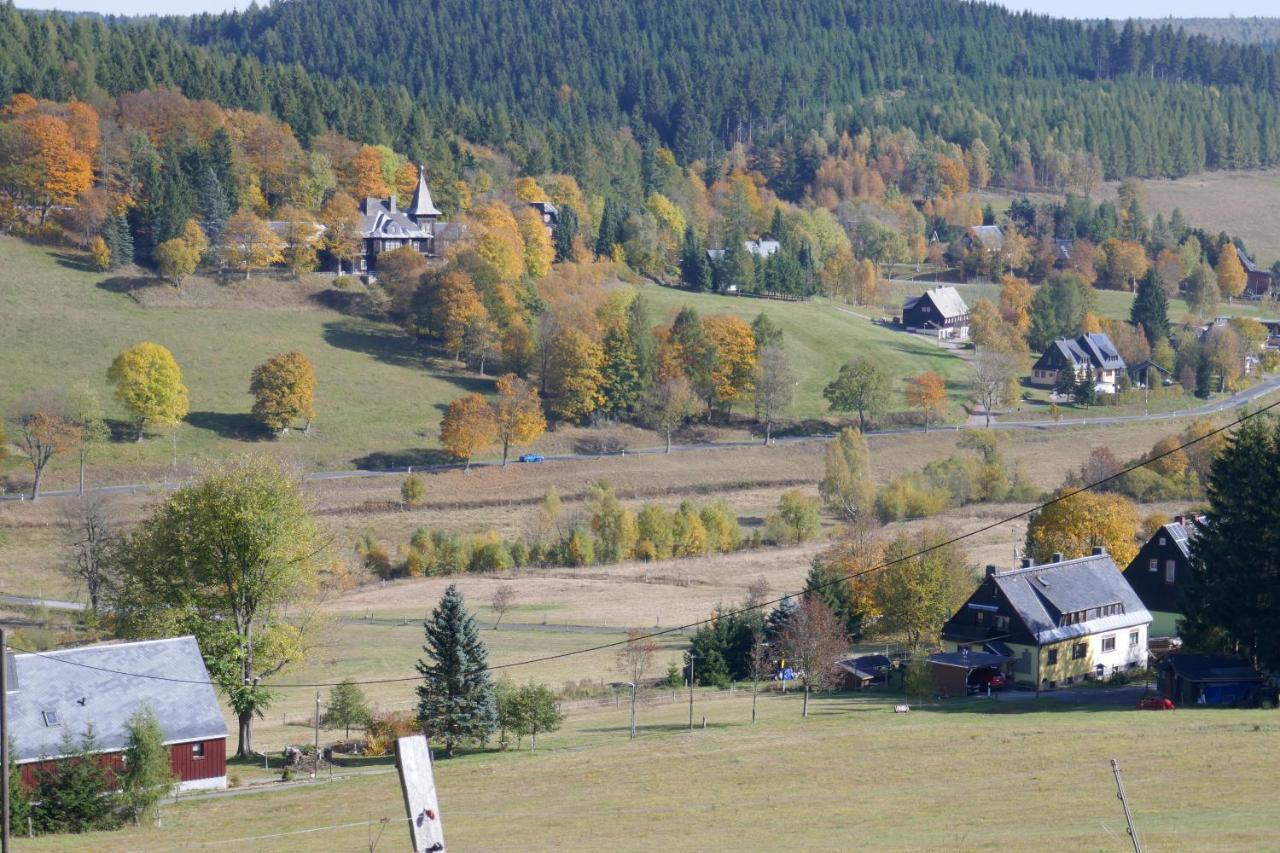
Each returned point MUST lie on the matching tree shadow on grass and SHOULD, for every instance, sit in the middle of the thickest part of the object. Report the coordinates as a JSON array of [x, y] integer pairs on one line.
[[384, 343], [236, 426], [129, 285], [73, 261], [390, 460]]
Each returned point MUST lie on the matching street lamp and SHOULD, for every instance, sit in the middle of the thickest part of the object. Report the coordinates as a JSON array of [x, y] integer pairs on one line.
[[632, 685]]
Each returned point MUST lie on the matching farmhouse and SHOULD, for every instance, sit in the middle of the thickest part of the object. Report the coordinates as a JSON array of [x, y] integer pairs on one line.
[[940, 311], [385, 227], [1160, 571], [53, 694], [1259, 280], [759, 248], [1087, 355], [989, 238], [1057, 623]]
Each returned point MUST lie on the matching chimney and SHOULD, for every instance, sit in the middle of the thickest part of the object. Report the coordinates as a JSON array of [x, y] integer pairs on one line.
[[1027, 562], [391, 203], [1057, 556], [1098, 550], [1179, 519], [991, 570]]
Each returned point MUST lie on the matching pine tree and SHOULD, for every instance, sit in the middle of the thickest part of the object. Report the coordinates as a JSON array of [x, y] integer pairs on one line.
[[610, 232], [1150, 310], [211, 204], [778, 618], [455, 700], [147, 776], [835, 591], [119, 241]]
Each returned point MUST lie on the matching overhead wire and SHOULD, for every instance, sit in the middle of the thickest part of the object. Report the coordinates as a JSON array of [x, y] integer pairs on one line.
[[840, 578]]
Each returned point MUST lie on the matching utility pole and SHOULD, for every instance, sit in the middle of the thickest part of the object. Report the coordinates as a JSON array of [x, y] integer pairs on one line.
[[633, 710], [4, 738], [691, 656], [1124, 801], [315, 767]]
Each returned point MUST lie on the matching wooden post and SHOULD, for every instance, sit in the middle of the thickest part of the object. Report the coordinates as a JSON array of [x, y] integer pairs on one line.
[[417, 782], [4, 739]]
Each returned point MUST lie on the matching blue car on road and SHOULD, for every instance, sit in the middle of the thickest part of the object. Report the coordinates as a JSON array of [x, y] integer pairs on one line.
[[532, 457]]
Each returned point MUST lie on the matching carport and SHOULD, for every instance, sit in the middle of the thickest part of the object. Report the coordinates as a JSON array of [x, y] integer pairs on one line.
[[951, 669]]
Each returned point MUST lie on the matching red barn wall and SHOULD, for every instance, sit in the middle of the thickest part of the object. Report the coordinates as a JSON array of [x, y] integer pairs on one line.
[[181, 758]]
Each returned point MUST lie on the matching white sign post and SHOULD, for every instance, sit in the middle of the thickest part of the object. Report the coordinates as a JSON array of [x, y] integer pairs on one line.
[[413, 760]]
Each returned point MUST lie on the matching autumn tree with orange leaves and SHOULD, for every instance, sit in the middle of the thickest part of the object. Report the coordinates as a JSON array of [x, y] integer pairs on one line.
[[928, 393], [517, 413], [468, 427]]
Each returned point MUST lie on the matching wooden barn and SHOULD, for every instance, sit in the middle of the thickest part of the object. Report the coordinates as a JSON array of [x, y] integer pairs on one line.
[[940, 311], [52, 694]]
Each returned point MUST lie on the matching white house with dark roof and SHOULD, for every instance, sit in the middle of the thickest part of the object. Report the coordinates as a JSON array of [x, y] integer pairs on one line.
[[759, 248], [1056, 623], [939, 311], [386, 227], [1087, 355], [59, 693]]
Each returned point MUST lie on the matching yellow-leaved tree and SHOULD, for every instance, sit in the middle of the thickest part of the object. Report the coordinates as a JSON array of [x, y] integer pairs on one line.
[[459, 308], [518, 413], [468, 427], [734, 373], [1076, 524], [248, 243], [928, 393], [1231, 274], [498, 242], [574, 375], [340, 217], [538, 249], [284, 391], [148, 383]]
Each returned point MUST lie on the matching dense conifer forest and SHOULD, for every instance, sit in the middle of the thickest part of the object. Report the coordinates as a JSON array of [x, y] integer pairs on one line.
[[552, 84]]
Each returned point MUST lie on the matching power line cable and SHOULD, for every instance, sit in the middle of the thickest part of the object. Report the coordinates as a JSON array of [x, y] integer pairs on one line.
[[741, 610]]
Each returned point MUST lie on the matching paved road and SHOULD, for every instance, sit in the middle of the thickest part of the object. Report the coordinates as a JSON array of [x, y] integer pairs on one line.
[[1243, 398], [49, 603]]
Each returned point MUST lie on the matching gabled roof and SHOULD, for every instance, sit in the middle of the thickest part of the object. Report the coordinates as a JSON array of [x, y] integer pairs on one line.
[[946, 300], [1095, 350], [380, 219], [990, 236], [1211, 667], [1042, 594], [98, 685], [867, 666], [422, 205], [1248, 263]]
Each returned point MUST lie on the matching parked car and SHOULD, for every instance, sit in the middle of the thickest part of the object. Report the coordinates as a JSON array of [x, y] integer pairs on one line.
[[984, 677], [531, 457], [1155, 703]]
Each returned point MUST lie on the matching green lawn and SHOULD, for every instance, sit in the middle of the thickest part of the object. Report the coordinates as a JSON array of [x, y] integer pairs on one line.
[[63, 325], [820, 336], [1020, 776]]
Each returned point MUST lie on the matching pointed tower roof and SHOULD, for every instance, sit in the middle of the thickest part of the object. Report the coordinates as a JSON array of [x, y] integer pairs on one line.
[[422, 204]]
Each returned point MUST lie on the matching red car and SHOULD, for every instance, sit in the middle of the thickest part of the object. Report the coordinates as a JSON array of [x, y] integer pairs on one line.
[[1155, 703], [981, 679]]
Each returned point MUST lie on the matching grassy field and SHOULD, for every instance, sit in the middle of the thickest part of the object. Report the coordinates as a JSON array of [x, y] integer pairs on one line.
[[1018, 775], [380, 394]]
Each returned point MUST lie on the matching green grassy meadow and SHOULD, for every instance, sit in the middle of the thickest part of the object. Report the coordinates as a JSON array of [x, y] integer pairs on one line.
[[1018, 775]]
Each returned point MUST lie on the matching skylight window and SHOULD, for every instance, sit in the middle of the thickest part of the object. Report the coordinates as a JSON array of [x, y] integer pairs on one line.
[[50, 718]]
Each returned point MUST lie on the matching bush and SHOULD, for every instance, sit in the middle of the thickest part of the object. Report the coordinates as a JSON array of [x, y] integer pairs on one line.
[[675, 678], [519, 552], [909, 496], [576, 549], [489, 555], [374, 556], [413, 491], [723, 534], [795, 521], [346, 283], [654, 531]]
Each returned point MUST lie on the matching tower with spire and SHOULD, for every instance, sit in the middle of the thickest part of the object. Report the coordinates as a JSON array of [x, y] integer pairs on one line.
[[388, 227]]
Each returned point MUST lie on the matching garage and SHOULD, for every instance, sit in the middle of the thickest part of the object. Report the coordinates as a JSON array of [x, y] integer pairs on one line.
[[951, 670]]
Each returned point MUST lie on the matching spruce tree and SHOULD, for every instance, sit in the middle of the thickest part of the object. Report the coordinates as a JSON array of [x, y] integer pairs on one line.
[[695, 269], [211, 206], [148, 776], [610, 232], [455, 700], [835, 591], [1229, 602], [119, 240], [778, 618], [565, 231], [1150, 310], [622, 386]]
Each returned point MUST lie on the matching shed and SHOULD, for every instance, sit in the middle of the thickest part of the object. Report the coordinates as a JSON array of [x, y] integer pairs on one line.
[[951, 670], [1211, 679], [862, 672], [63, 692]]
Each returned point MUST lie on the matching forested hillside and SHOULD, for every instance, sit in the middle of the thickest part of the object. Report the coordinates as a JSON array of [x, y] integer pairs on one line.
[[551, 85], [1263, 32]]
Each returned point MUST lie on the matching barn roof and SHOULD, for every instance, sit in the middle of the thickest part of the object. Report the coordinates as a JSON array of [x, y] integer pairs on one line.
[[946, 299], [63, 692], [990, 236]]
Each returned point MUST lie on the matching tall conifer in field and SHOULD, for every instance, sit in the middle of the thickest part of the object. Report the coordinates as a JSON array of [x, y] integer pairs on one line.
[[456, 700], [1151, 310]]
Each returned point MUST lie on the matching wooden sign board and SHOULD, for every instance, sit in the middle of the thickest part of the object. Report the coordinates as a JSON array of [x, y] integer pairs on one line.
[[413, 760]]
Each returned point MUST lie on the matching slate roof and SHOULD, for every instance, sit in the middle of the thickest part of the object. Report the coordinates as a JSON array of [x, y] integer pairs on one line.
[[379, 218], [990, 236], [867, 666], [946, 299], [967, 660], [1095, 350], [63, 683], [1042, 594], [1248, 264], [422, 205]]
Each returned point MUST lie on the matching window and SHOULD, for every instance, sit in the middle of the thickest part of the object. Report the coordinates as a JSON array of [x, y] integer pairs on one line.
[[1153, 565], [1170, 571], [1078, 650], [50, 718], [1002, 623], [982, 618], [1161, 540], [1053, 657], [1070, 679], [1133, 639], [1108, 644], [197, 750]]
